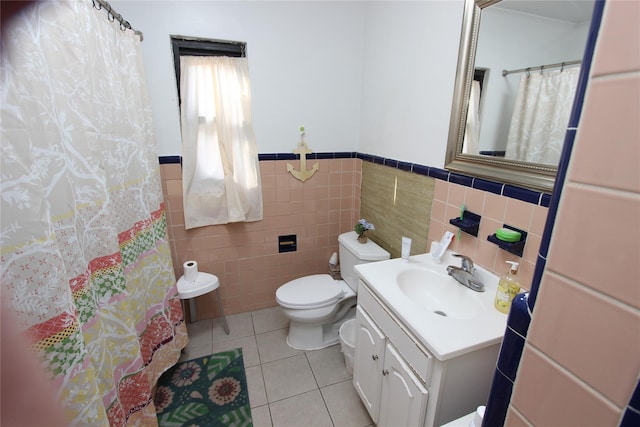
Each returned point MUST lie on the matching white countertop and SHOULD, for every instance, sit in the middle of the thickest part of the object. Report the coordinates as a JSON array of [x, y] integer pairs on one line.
[[445, 337]]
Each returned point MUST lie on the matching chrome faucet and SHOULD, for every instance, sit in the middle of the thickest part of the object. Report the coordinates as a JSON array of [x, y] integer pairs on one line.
[[466, 263], [465, 274]]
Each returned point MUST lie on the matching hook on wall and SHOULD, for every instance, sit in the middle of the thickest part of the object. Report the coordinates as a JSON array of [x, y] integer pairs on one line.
[[303, 174]]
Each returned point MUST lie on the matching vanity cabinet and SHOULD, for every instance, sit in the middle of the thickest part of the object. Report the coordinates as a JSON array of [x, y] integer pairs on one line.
[[368, 363], [382, 375], [405, 399], [398, 379]]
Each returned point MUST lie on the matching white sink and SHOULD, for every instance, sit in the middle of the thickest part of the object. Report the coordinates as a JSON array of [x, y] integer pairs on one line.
[[449, 318], [440, 294]]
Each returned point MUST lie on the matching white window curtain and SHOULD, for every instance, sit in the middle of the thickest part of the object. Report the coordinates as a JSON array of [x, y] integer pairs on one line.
[[220, 170], [541, 115], [471, 142]]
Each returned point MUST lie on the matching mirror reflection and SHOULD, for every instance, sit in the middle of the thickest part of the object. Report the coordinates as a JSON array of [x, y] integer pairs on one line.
[[517, 75], [526, 72]]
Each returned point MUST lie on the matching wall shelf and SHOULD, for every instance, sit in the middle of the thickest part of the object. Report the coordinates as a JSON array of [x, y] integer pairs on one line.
[[516, 248], [470, 223]]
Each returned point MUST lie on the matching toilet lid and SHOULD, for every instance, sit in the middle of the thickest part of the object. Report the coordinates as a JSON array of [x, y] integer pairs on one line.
[[314, 291]]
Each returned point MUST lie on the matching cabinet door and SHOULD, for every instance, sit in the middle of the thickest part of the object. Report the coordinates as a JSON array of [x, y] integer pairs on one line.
[[367, 363], [404, 398]]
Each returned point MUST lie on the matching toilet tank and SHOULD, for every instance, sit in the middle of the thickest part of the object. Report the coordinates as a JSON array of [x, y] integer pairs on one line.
[[353, 253]]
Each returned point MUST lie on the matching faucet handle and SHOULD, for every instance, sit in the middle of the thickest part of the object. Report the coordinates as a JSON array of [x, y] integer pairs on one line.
[[466, 263]]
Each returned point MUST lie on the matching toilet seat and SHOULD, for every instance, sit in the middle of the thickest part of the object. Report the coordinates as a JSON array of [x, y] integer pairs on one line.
[[308, 292]]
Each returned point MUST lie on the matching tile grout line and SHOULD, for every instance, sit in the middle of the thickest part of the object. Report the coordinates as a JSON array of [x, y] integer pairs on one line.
[[215, 338], [306, 353], [264, 383]]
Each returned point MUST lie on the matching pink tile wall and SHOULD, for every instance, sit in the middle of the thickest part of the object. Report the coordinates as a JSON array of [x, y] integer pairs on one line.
[[580, 363], [245, 256], [495, 210]]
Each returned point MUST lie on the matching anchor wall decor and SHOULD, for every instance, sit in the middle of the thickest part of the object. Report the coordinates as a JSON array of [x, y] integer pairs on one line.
[[303, 174]]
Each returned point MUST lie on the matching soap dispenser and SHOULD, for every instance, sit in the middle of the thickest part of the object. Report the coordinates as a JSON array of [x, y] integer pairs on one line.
[[508, 288]]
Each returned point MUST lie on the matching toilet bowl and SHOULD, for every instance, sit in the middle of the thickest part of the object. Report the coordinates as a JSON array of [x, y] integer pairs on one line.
[[317, 305]]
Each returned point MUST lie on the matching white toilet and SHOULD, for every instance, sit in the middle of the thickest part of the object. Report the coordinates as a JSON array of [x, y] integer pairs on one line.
[[317, 305]]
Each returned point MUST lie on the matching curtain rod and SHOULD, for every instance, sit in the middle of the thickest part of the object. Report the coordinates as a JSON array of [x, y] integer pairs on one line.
[[541, 67], [113, 15]]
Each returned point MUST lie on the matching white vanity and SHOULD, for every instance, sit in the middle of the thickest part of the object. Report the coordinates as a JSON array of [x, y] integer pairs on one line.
[[426, 346]]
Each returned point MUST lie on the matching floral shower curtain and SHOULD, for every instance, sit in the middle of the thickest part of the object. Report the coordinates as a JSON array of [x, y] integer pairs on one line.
[[541, 115], [85, 267]]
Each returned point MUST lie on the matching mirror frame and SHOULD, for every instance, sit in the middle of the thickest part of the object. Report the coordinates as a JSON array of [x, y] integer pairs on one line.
[[533, 176]]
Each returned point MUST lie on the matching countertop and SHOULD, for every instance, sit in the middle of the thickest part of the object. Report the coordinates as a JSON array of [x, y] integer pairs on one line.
[[445, 337]]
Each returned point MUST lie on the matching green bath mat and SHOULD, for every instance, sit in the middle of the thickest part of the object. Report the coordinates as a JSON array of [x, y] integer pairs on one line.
[[209, 391]]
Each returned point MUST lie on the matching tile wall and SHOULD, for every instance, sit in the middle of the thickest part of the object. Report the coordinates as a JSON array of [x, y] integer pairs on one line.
[[398, 203], [580, 364], [496, 210], [245, 256]]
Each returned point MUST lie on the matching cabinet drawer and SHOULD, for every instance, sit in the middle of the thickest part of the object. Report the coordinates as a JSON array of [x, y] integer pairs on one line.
[[415, 354]]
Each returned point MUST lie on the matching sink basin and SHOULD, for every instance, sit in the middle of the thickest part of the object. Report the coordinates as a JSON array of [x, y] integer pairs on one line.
[[439, 294], [447, 317]]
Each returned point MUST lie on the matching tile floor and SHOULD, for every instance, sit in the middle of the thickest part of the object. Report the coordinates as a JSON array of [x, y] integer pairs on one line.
[[287, 387]]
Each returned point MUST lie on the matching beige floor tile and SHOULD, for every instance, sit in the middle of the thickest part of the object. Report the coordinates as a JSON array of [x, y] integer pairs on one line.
[[306, 409], [240, 325], [273, 346], [255, 385], [287, 377], [248, 346], [195, 351], [328, 365], [269, 319], [261, 416], [200, 332], [344, 405]]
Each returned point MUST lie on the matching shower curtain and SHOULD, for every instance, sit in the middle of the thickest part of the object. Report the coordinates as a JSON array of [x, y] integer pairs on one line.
[[541, 115], [85, 266]]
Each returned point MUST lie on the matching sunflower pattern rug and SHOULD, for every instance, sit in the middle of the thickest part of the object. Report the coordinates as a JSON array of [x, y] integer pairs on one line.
[[209, 391]]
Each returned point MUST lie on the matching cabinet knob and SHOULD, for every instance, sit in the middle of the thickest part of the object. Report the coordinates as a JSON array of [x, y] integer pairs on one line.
[[385, 372], [374, 356]]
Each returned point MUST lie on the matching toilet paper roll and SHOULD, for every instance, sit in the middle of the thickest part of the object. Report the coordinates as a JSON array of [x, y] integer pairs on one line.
[[334, 259], [190, 270]]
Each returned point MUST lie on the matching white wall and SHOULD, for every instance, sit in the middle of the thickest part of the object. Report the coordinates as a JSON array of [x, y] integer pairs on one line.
[[305, 63], [411, 50], [374, 77]]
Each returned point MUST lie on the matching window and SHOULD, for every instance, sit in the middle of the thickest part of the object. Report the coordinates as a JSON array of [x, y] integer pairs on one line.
[[186, 46], [220, 171]]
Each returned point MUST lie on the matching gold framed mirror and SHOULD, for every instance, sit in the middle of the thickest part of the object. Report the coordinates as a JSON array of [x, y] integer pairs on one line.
[[499, 80]]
